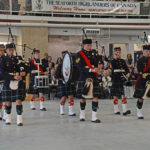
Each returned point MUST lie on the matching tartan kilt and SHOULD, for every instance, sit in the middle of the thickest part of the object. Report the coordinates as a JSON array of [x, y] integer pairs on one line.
[[140, 88], [32, 90], [1, 87], [65, 90], [117, 88], [9, 95], [97, 91]]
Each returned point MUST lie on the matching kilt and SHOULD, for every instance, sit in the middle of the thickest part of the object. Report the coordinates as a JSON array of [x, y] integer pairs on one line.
[[9, 95], [1, 87], [140, 88], [97, 92], [32, 90], [117, 89], [65, 90]]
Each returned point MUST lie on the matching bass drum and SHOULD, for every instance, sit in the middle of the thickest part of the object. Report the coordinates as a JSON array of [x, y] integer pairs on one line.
[[70, 71]]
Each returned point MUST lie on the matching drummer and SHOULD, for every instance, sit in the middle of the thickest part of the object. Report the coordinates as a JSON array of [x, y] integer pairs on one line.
[[65, 91], [34, 71]]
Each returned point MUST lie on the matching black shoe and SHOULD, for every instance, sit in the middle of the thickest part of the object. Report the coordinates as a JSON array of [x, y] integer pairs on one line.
[[73, 114], [20, 124], [82, 119], [117, 113], [127, 113], [62, 114], [8, 123], [33, 108], [1, 118], [96, 121], [43, 109], [140, 117]]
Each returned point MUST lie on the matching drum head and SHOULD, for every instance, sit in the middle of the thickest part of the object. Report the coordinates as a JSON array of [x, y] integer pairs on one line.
[[66, 67]]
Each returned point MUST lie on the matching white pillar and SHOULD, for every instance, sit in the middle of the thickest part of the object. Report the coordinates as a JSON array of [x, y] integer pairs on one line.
[[10, 6]]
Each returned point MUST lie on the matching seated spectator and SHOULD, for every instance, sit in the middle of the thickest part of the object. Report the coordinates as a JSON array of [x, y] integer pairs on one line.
[[107, 83], [53, 80], [53, 83], [106, 79]]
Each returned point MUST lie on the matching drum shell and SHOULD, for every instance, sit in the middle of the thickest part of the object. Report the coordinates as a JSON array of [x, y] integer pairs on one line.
[[74, 72]]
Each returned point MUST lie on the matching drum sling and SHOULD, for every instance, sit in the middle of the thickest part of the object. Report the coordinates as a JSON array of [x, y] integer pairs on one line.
[[40, 69], [87, 61]]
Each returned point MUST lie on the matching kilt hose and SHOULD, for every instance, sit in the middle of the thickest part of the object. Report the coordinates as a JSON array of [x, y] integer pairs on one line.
[[117, 89], [65, 90], [97, 92], [9, 95]]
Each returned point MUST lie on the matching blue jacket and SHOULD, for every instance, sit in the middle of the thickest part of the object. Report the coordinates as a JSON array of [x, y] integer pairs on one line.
[[82, 66]]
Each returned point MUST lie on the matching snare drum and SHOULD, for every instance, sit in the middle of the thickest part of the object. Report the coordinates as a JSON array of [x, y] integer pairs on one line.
[[41, 81], [69, 68]]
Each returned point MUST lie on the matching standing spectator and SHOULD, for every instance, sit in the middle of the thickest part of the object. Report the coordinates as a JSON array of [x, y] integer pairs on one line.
[[104, 61], [50, 66], [59, 60], [129, 61], [108, 67], [56, 65], [50, 61], [45, 60]]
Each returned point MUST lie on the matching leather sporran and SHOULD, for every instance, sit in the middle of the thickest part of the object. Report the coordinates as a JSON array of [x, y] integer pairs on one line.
[[13, 85], [88, 88], [147, 91]]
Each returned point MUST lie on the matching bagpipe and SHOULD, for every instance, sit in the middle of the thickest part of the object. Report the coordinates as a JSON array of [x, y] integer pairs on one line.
[[89, 82], [21, 63]]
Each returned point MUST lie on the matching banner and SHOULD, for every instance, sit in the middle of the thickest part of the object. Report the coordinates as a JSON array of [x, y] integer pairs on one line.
[[85, 6]]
